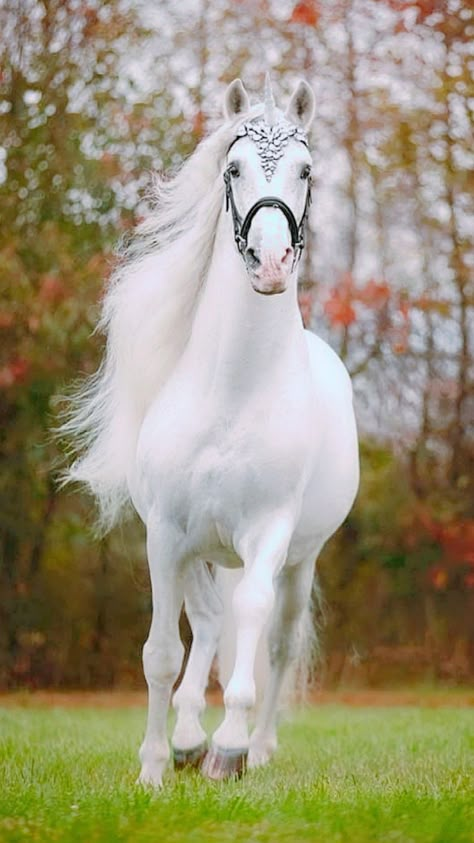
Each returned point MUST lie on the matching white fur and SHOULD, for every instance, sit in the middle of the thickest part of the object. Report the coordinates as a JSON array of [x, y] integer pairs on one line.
[[147, 316], [229, 427]]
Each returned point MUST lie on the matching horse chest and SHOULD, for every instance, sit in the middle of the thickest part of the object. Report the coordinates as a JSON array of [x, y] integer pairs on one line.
[[216, 466]]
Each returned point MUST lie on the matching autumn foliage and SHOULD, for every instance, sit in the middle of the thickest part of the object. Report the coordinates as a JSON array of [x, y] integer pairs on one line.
[[348, 302], [90, 104], [306, 12]]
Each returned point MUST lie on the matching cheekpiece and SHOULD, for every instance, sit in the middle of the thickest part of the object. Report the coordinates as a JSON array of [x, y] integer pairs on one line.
[[271, 141]]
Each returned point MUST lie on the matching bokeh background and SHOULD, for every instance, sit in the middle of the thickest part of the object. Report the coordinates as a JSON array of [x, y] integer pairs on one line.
[[94, 96]]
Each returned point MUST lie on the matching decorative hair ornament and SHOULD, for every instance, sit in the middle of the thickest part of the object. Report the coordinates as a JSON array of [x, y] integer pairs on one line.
[[269, 114], [271, 141]]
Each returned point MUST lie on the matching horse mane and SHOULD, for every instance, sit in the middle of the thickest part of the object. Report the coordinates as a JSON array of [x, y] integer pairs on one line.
[[147, 316]]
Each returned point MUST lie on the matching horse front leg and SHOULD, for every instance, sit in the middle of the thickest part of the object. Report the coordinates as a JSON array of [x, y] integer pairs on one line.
[[252, 605], [204, 610], [163, 650], [293, 595]]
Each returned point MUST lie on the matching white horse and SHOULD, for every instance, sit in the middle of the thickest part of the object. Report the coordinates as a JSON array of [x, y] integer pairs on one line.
[[229, 427]]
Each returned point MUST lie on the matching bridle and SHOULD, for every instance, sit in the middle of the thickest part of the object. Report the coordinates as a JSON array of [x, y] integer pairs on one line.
[[242, 227], [279, 137]]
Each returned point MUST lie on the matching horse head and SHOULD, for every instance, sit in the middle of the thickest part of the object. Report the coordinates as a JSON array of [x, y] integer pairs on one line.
[[268, 183]]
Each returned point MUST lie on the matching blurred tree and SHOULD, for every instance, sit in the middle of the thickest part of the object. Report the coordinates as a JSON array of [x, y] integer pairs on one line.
[[95, 94], [75, 147]]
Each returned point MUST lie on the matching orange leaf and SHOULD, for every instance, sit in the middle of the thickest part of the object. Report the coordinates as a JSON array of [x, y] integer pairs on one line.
[[339, 305], [438, 577], [339, 310], [374, 294], [426, 303], [199, 124], [306, 12]]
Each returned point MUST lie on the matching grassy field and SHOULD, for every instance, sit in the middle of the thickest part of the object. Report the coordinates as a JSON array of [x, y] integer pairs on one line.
[[342, 773]]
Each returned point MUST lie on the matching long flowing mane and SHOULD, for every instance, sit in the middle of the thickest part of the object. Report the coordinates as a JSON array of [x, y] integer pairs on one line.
[[147, 315]]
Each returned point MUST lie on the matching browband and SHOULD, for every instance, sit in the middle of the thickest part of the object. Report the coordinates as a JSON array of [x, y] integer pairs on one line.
[[270, 140]]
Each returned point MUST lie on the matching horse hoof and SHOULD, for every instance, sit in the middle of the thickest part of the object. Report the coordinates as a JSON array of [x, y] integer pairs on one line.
[[221, 764], [189, 757]]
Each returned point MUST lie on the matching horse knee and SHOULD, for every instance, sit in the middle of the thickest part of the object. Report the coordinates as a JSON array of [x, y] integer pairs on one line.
[[253, 600], [240, 696], [162, 663]]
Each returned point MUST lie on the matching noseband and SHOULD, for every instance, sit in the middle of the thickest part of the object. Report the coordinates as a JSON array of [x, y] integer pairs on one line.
[[270, 141]]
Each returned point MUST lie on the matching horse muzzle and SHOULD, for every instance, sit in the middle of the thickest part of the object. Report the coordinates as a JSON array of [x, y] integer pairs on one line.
[[269, 271]]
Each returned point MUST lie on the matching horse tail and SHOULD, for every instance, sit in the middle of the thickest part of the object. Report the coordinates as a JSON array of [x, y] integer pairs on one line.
[[302, 674], [101, 431]]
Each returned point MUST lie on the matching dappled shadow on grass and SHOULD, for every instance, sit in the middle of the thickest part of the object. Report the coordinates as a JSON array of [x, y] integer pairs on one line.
[[339, 775]]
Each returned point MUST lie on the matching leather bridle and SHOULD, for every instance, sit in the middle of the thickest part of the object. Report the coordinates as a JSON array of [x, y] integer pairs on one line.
[[242, 226]]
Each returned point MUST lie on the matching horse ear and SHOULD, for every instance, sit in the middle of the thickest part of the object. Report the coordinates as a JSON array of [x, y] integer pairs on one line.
[[236, 100], [301, 107]]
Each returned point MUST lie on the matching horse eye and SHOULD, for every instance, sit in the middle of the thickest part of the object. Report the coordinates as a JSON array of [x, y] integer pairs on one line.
[[305, 172], [233, 170]]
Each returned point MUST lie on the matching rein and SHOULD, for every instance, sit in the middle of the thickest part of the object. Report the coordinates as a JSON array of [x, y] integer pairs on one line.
[[242, 226]]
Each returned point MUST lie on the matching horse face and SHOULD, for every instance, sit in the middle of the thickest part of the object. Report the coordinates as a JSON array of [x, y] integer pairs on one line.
[[269, 253], [280, 169]]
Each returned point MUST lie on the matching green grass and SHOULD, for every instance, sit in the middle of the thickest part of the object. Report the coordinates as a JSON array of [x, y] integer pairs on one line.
[[397, 775]]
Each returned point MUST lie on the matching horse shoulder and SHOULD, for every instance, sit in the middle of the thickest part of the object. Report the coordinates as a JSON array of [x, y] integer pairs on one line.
[[334, 475], [328, 370]]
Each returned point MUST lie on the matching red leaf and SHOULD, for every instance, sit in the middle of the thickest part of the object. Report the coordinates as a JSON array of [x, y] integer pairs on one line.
[[19, 368], [374, 294], [306, 12], [339, 305], [339, 310], [457, 541], [13, 372], [455, 537], [469, 579]]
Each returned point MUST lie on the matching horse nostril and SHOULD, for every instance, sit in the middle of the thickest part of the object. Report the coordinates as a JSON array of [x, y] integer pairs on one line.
[[286, 257], [252, 259]]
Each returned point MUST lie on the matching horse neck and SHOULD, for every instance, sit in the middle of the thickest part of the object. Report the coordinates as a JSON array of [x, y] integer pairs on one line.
[[241, 337]]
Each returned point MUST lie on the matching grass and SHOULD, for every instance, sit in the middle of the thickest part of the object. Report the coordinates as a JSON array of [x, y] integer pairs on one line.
[[397, 775]]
